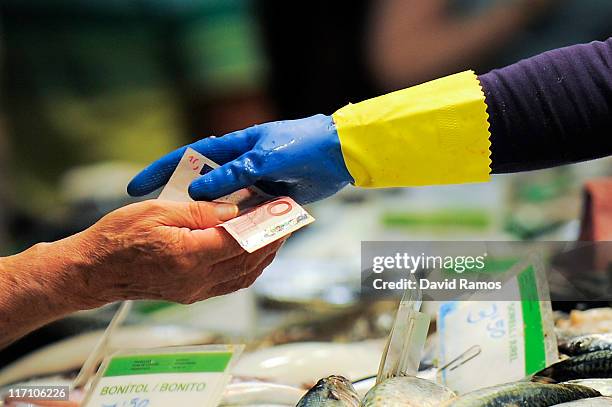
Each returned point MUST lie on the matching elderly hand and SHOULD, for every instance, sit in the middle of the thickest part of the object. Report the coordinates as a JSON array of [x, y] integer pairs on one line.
[[148, 250], [166, 251]]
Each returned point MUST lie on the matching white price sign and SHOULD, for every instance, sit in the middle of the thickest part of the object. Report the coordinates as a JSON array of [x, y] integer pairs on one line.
[[488, 342], [185, 376]]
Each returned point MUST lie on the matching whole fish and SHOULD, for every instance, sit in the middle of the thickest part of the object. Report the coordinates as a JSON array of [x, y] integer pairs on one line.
[[596, 364], [521, 394], [331, 391], [586, 343], [592, 402], [407, 392], [604, 386]]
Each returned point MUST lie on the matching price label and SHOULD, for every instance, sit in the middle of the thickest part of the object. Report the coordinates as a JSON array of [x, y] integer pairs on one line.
[[487, 342], [183, 376]]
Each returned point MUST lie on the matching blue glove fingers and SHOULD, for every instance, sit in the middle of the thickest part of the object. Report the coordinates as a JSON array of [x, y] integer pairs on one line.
[[218, 149], [228, 147], [230, 177], [155, 175]]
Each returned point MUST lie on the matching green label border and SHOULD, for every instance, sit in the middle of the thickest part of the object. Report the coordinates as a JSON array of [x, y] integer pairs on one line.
[[210, 362], [535, 348]]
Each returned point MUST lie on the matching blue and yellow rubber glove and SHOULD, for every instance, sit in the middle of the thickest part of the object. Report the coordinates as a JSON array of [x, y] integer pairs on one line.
[[434, 133]]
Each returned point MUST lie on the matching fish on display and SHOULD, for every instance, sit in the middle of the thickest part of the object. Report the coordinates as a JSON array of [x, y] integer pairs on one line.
[[331, 391], [407, 392], [521, 394], [585, 344], [590, 321], [592, 402], [604, 386], [596, 364]]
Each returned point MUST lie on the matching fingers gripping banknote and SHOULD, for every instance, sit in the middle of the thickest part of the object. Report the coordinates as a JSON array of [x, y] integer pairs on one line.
[[262, 219]]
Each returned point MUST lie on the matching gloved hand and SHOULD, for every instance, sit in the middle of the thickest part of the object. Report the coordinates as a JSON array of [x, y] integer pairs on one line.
[[299, 158], [433, 133]]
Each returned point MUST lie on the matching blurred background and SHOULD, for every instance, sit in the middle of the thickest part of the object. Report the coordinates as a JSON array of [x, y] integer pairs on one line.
[[92, 90]]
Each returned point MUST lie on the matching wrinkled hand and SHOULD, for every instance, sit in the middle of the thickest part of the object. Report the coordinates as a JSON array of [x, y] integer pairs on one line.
[[299, 158], [167, 251]]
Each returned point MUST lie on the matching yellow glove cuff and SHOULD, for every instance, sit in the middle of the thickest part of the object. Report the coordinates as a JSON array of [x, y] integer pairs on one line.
[[434, 133]]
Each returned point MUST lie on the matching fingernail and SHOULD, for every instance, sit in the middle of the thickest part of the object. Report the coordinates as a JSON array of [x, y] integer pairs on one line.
[[226, 211]]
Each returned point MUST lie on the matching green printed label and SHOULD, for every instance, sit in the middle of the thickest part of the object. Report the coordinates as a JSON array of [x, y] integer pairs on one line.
[[535, 352], [213, 362]]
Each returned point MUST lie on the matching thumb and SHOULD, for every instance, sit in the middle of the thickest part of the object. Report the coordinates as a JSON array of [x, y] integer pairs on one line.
[[198, 215]]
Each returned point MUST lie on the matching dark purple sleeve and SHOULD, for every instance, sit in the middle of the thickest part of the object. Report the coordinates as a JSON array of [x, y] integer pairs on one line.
[[551, 109]]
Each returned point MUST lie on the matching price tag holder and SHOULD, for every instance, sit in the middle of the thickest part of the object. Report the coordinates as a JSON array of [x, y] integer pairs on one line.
[[178, 376]]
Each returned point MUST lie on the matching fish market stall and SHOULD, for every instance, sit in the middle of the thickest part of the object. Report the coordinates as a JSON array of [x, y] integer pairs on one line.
[[313, 338]]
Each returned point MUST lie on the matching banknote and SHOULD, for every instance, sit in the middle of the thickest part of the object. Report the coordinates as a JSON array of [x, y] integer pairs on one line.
[[262, 219], [188, 169], [267, 222]]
